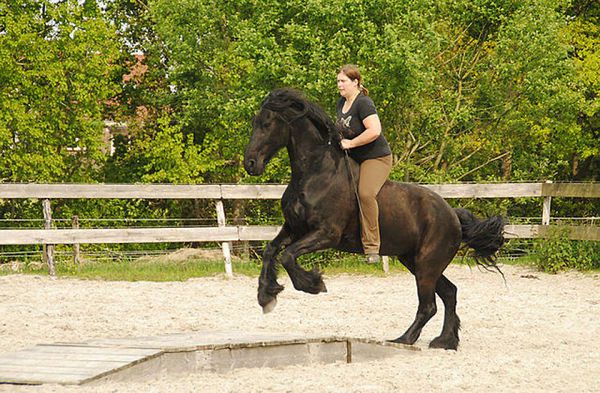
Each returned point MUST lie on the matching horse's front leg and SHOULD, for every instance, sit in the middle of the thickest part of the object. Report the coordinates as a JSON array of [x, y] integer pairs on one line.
[[268, 287], [307, 281]]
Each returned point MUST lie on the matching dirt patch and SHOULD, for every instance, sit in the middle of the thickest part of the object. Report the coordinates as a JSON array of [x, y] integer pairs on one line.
[[187, 254], [532, 334]]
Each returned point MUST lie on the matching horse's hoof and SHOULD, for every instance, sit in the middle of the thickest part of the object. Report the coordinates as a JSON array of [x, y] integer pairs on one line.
[[441, 343], [267, 308], [402, 340], [323, 288]]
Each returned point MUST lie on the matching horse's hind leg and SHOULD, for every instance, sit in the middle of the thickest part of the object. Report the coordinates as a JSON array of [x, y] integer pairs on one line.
[[268, 287], [427, 267], [426, 310], [448, 339]]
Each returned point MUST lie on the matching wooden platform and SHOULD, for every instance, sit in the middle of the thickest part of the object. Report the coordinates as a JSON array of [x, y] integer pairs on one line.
[[140, 358]]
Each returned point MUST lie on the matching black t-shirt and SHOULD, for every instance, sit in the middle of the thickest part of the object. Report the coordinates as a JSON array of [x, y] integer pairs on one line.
[[361, 108]]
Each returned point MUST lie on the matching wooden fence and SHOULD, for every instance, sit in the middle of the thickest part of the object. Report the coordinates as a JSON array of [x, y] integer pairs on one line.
[[225, 234]]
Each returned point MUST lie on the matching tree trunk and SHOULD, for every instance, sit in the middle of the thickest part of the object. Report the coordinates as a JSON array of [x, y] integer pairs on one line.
[[506, 166]]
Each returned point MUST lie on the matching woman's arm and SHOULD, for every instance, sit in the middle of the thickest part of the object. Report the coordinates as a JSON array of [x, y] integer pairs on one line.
[[371, 132]]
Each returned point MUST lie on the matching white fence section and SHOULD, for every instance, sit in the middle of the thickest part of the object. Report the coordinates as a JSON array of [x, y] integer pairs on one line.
[[226, 234]]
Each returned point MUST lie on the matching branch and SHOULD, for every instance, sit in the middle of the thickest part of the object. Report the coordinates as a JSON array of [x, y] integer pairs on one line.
[[482, 165], [425, 159], [464, 158]]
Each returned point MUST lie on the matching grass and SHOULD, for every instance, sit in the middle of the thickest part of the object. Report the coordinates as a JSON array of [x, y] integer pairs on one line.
[[162, 269], [143, 270]]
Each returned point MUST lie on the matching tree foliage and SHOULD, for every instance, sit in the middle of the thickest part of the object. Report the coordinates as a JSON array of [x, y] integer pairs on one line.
[[56, 65], [467, 90]]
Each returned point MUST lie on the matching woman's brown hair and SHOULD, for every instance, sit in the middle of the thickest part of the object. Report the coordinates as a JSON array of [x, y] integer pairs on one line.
[[352, 72]]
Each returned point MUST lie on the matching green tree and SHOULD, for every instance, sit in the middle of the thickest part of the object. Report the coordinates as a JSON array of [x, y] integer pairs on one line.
[[583, 34], [467, 90], [56, 59], [492, 89]]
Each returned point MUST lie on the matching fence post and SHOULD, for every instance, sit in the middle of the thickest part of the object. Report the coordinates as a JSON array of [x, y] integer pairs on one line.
[[225, 245], [546, 208], [48, 248], [76, 257], [385, 262]]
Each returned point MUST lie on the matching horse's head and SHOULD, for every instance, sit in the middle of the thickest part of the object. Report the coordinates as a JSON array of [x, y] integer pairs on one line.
[[278, 118], [270, 133], [270, 130]]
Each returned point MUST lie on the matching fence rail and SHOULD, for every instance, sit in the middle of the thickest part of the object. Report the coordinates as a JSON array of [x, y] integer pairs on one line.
[[255, 191], [225, 234], [275, 191]]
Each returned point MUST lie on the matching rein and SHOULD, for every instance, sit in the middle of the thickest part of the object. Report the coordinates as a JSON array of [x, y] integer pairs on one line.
[[353, 182]]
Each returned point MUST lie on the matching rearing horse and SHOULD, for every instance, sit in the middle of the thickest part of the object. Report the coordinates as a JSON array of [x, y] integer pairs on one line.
[[321, 211]]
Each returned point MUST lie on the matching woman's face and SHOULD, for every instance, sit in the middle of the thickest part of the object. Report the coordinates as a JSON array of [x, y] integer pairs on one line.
[[346, 86]]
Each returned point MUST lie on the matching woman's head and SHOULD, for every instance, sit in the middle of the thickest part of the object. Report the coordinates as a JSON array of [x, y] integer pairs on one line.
[[349, 81]]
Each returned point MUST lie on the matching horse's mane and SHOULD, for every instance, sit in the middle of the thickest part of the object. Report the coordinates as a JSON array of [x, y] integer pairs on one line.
[[292, 104]]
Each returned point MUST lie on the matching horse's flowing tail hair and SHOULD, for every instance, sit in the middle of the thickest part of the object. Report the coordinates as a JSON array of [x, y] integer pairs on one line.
[[485, 237]]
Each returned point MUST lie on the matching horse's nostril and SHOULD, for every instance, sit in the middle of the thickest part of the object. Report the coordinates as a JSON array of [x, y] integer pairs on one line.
[[250, 165]]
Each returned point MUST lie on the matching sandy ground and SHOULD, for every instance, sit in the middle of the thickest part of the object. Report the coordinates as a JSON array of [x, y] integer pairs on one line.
[[540, 332]]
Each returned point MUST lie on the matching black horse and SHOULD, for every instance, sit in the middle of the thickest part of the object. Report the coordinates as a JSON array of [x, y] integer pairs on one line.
[[321, 211]]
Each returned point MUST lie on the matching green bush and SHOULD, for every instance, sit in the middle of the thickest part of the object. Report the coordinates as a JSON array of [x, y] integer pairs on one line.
[[557, 252]]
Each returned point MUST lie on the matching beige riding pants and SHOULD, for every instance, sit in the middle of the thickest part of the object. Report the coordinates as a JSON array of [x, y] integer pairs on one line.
[[373, 173]]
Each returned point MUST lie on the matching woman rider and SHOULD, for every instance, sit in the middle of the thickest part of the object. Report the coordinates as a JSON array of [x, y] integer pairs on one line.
[[366, 144]]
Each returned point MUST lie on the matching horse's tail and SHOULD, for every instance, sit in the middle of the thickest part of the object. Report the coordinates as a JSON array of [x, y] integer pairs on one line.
[[485, 237]]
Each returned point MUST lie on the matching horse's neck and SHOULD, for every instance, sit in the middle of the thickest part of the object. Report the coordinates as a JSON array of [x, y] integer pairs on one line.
[[310, 155]]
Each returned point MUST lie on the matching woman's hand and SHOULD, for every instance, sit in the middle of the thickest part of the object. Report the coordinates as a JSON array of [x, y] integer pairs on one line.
[[346, 144], [371, 132]]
